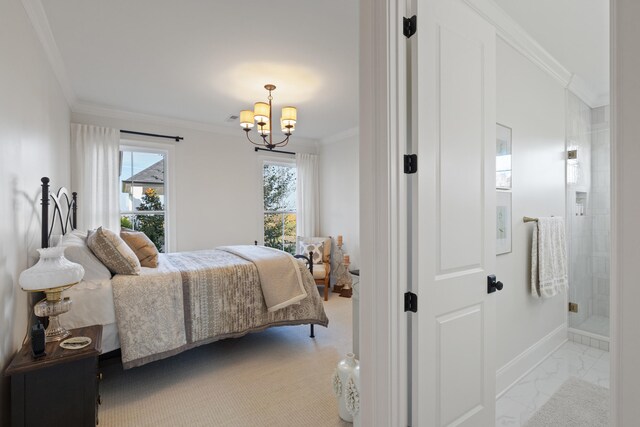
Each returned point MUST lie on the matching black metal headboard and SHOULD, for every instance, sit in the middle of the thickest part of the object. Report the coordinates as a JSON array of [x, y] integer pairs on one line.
[[64, 210]]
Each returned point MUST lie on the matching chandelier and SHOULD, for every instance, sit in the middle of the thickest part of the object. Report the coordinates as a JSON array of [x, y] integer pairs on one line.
[[261, 114]]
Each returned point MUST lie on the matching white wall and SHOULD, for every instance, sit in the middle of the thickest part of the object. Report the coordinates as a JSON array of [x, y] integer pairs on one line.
[[533, 104], [339, 192], [625, 244], [34, 142], [217, 181]]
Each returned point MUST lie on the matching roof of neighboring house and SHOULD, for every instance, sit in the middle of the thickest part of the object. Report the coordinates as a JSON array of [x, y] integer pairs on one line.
[[154, 174]]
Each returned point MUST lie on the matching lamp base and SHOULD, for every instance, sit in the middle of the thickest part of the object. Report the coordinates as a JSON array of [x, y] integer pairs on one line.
[[55, 332], [52, 306]]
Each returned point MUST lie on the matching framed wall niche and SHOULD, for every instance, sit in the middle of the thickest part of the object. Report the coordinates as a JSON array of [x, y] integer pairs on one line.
[[503, 157], [503, 222]]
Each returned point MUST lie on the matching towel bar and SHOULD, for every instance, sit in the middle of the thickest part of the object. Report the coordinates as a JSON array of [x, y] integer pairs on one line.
[[529, 219]]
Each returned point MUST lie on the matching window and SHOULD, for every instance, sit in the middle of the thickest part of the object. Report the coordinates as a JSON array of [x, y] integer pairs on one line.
[[142, 193], [279, 194]]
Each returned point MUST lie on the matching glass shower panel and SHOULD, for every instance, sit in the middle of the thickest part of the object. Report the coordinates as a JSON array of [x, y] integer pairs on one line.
[[588, 239]]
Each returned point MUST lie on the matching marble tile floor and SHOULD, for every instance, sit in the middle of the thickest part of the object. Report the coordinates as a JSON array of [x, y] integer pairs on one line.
[[521, 401], [596, 325]]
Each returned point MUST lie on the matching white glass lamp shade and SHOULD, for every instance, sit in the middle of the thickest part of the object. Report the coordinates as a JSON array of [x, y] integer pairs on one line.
[[264, 129], [246, 119], [261, 112], [289, 116], [53, 270]]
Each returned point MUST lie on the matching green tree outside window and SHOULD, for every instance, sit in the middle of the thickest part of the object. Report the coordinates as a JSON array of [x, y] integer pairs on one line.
[[279, 207], [151, 225]]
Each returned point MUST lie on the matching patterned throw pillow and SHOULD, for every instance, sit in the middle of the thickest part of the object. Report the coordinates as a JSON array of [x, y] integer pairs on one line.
[[316, 248], [113, 252], [142, 246]]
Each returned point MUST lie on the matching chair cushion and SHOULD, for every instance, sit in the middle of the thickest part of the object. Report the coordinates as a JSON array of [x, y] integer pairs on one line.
[[325, 249], [319, 271], [315, 248]]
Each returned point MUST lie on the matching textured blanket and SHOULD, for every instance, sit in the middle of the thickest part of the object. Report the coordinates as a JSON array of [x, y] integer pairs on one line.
[[194, 298], [280, 277]]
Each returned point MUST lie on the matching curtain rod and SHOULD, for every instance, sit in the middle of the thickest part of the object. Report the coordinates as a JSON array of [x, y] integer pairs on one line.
[[273, 151], [155, 135]]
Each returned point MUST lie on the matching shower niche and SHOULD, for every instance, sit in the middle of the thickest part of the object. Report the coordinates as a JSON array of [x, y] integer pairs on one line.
[[581, 203]]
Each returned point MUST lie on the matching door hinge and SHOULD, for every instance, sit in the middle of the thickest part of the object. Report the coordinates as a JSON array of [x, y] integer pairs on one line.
[[410, 302], [410, 163], [409, 26], [573, 307]]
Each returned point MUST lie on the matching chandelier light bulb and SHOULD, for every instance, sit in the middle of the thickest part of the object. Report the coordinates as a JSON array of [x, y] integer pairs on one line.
[[264, 129]]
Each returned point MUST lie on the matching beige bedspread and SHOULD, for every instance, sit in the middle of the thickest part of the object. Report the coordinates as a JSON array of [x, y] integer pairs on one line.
[[281, 284], [194, 298]]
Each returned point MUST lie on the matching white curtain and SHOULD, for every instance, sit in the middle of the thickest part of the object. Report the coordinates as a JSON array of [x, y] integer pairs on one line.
[[308, 217], [95, 159]]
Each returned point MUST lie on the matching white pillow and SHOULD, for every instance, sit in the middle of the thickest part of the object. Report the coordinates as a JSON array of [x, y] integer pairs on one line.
[[76, 250]]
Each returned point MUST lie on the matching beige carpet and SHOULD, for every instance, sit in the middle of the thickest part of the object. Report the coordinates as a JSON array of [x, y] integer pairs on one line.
[[577, 403], [279, 377]]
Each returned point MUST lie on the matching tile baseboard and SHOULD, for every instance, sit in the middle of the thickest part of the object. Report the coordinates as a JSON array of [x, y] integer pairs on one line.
[[588, 338]]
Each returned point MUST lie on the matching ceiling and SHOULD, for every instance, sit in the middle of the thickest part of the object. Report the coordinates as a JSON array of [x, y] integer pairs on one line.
[[574, 32], [206, 60], [203, 61]]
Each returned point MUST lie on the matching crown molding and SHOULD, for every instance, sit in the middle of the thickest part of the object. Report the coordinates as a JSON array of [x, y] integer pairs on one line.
[[516, 36], [40, 22], [603, 100], [96, 110], [88, 108], [582, 90], [340, 136]]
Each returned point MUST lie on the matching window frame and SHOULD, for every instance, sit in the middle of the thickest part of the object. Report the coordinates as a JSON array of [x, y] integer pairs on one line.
[[273, 159], [168, 151]]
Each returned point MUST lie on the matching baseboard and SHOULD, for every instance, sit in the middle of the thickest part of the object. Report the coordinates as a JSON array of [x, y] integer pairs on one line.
[[529, 359], [588, 334], [588, 338]]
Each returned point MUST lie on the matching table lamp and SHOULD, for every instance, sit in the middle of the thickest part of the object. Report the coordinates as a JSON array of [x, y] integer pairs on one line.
[[52, 274]]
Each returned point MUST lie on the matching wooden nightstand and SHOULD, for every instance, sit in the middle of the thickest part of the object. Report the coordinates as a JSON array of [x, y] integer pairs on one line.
[[59, 389]]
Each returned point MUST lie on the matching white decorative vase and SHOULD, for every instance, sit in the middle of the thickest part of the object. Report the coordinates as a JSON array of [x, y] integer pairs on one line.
[[343, 372], [352, 395]]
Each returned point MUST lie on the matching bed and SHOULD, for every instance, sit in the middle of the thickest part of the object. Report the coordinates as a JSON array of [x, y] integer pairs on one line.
[[190, 299]]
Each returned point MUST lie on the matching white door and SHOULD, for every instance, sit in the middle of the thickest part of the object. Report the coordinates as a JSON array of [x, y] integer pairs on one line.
[[453, 79]]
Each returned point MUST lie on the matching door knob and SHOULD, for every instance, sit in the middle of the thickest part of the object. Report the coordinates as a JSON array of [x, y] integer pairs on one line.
[[493, 284]]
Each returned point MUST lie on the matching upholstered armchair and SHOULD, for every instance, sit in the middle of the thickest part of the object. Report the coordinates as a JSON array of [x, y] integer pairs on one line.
[[319, 250]]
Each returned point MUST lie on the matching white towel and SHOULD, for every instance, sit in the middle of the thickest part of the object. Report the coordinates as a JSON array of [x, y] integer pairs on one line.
[[548, 258]]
